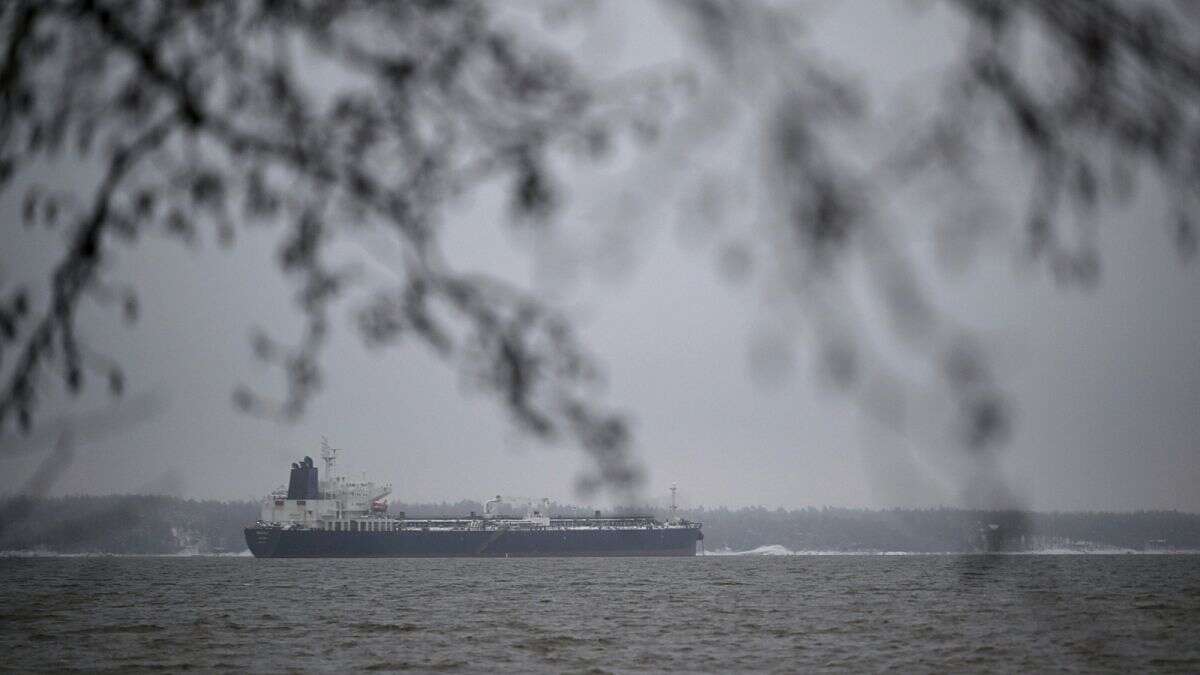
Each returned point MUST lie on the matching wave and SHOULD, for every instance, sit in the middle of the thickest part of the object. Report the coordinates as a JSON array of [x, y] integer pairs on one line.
[[773, 549], [779, 549]]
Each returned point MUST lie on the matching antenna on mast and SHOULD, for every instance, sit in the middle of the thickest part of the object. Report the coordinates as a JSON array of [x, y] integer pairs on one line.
[[330, 456]]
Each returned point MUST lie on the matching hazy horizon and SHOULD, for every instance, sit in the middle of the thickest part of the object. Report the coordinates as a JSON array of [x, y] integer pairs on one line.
[[662, 504]]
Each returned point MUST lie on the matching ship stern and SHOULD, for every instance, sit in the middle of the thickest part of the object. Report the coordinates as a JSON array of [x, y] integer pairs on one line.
[[262, 541]]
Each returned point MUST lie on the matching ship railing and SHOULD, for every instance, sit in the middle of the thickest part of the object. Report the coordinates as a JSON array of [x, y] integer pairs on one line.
[[496, 523], [625, 521], [520, 524]]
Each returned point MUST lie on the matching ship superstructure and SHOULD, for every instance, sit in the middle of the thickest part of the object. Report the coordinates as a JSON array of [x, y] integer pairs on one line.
[[339, 517], [333, 503]]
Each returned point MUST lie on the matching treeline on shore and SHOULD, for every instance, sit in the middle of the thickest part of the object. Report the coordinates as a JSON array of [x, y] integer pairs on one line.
[[150, 524], [945, 529], [135, 524]]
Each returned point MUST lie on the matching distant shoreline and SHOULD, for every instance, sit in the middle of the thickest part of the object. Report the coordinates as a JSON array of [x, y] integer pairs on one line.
[[463, 506], [164, 526], [709, 554]]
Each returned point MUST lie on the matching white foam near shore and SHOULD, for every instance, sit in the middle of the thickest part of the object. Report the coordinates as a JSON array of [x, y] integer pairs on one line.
[[773, 549], [779, 549]]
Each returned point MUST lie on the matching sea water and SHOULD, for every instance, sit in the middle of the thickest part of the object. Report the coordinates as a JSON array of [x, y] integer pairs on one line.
[[712, 613]]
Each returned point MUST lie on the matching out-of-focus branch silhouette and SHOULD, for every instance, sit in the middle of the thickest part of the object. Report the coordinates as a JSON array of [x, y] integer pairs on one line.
[[1089, 96], [207, 115], [337, 117], [1120, 89]]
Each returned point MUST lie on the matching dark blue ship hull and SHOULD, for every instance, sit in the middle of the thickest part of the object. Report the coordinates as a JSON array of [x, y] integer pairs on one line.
[[273, 542]]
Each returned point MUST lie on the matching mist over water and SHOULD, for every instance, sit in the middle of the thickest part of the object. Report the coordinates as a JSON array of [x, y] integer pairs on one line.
[[716, 614]]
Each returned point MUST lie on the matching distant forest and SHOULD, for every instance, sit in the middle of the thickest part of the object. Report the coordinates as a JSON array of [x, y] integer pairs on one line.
[[165, 525]]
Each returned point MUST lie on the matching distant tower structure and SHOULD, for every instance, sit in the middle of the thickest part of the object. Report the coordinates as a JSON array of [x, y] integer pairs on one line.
[[673, 506], [330, 456]]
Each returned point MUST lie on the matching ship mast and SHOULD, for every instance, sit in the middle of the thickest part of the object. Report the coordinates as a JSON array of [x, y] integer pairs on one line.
[[330, 456], [673, 506]]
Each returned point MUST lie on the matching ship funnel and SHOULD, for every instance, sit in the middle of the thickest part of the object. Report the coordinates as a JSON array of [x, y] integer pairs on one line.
[[303, 482]]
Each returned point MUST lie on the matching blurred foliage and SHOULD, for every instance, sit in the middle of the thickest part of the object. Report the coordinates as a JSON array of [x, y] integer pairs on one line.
[[211, 115], [330, 118]]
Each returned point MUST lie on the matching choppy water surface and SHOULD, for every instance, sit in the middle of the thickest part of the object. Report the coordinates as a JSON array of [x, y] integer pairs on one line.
[[696, 614]]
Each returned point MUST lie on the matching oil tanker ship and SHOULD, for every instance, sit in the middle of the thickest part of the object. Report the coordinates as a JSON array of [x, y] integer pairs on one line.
[[340, 517]]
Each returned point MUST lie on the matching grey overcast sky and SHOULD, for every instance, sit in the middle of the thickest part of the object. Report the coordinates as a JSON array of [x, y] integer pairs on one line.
[[1105, 383]]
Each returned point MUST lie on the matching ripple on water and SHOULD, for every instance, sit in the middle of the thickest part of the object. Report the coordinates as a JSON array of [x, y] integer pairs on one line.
[[699, 614]]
